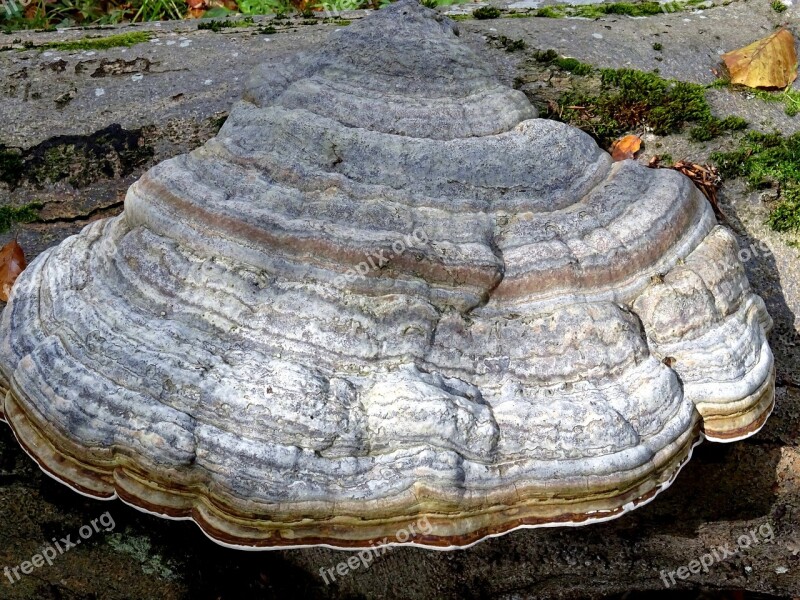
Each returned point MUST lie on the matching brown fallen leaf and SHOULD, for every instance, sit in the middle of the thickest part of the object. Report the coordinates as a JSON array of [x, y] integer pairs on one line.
[[12, 263], [770, 62], [304, 5], [198, 8], [626, 147], [706, 178]]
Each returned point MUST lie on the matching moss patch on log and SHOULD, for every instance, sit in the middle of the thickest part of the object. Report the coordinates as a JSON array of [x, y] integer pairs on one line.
[[11, 215], [102, 43], [607, 103], [77, 159], [769, 160]]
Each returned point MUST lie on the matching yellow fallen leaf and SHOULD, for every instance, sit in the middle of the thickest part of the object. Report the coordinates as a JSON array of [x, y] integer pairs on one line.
[[770, 62], [626, 147]]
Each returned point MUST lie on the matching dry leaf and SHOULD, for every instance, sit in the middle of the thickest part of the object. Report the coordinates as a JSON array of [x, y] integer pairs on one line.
[[626, 147], [706, 178], [227, 4], [768, 63], [198, 8], [12, 263], [304, 5]]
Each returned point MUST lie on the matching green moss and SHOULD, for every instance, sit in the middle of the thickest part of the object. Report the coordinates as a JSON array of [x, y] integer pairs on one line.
[[638, 9], [786, 215], [550, 12], [622, 100], [81, 160], [572, 65], [486, 12], [714, 127], [666, 104], [658, 47], [218, 25], [215, 26], [641, 9], [10, 166], [790, 98], [718, 83], [428, 3], [587, 11], [768, 160], [62, 162], [545, 56], [509, 44], [778, 6], [631, 9], [10, 215], [112, 41], [764, 159], [594, 11], [733, 123]]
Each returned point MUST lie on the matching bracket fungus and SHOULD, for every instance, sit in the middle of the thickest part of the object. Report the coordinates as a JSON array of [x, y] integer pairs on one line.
[[385, 291]]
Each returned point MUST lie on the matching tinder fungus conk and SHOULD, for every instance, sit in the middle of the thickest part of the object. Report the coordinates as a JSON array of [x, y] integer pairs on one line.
[[386, 291]]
